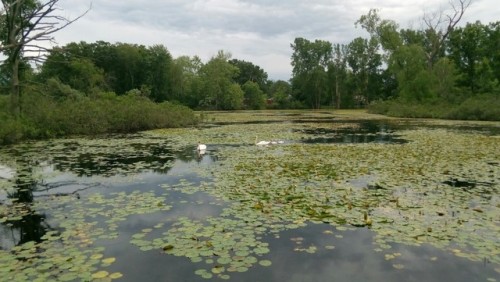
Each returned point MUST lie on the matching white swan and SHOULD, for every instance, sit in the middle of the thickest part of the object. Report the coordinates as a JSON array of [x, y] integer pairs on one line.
[[201, 147], [261, 143], [272, 142]]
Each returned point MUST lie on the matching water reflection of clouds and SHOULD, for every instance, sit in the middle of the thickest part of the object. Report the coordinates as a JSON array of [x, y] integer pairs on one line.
[[8, 237], [137, 265], [6, 172], [198, 206], [354, 259], [153, 265]]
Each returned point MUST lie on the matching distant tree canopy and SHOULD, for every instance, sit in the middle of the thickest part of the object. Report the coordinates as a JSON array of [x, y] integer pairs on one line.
[[101, 66], [441, 63], [250, 72], [116, 67]]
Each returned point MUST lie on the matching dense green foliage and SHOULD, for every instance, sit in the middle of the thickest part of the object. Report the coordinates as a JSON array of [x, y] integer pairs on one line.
[[463, 83], [46, 116], [481, 107], [439, 71], [121, 67]]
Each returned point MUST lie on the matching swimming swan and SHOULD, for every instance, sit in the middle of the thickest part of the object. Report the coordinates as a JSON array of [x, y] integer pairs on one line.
[[201, 147], [261, 143]]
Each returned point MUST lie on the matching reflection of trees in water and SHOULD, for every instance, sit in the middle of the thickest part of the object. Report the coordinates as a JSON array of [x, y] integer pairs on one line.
[[357, 132], [125, 158], [132, 158], [142, 157], [31, 226]]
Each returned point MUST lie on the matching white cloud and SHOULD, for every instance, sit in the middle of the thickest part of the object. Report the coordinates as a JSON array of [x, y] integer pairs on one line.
[[259, 31]]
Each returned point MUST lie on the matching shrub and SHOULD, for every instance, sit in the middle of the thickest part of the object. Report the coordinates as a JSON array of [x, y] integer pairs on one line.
[[45, 116], [483, 107]]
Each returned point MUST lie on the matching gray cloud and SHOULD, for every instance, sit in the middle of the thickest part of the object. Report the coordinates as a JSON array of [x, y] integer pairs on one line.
[[259, 31]]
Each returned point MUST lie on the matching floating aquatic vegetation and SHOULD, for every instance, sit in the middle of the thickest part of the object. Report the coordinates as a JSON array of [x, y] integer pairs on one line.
[[225, 245], [413, 196], [409, 203], [69, 254]]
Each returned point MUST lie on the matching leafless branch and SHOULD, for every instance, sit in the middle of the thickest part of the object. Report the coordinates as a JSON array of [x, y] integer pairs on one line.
[[37, 25], [442, 23]]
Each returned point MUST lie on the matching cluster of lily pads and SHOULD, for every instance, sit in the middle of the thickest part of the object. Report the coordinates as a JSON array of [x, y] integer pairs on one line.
[[224, 245], [69, 253]]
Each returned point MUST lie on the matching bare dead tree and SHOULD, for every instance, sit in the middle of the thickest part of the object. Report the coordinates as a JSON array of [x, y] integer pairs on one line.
[[24, 26], [439, 25]]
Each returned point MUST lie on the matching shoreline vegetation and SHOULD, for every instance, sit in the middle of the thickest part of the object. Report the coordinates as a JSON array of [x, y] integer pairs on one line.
[[44, 117], [480, 108], [107, 113]]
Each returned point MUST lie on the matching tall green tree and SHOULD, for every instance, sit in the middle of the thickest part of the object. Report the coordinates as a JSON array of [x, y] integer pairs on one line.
[[221, 92], [493, 31], [281, 94], [130, 67], [310, 61], [337, 72], [444, 80], [474, 50], [364, 61], [382, 32], [186, 81], [23, 24], [409, 64], [250, 72], [72, 66], [159, 69], [255, 99]]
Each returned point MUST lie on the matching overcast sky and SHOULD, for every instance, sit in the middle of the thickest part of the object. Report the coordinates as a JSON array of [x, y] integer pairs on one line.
[[258, 31]]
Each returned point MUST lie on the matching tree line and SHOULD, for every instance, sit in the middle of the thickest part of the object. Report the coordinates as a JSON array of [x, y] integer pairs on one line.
[[88, 69], [441, 70], [409, 66]]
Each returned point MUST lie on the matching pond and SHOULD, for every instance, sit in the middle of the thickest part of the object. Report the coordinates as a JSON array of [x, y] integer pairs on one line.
[[335, 196]]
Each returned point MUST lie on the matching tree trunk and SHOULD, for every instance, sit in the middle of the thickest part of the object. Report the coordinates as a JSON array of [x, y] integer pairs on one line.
[[317, 100], [337, 92], [15, 95]]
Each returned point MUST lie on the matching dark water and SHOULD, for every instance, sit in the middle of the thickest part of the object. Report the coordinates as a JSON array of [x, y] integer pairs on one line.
[[354, 133], [352, 259]]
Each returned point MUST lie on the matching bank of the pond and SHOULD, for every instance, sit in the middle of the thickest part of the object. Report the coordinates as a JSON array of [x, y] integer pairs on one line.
[[44, 117], [485, 107]]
